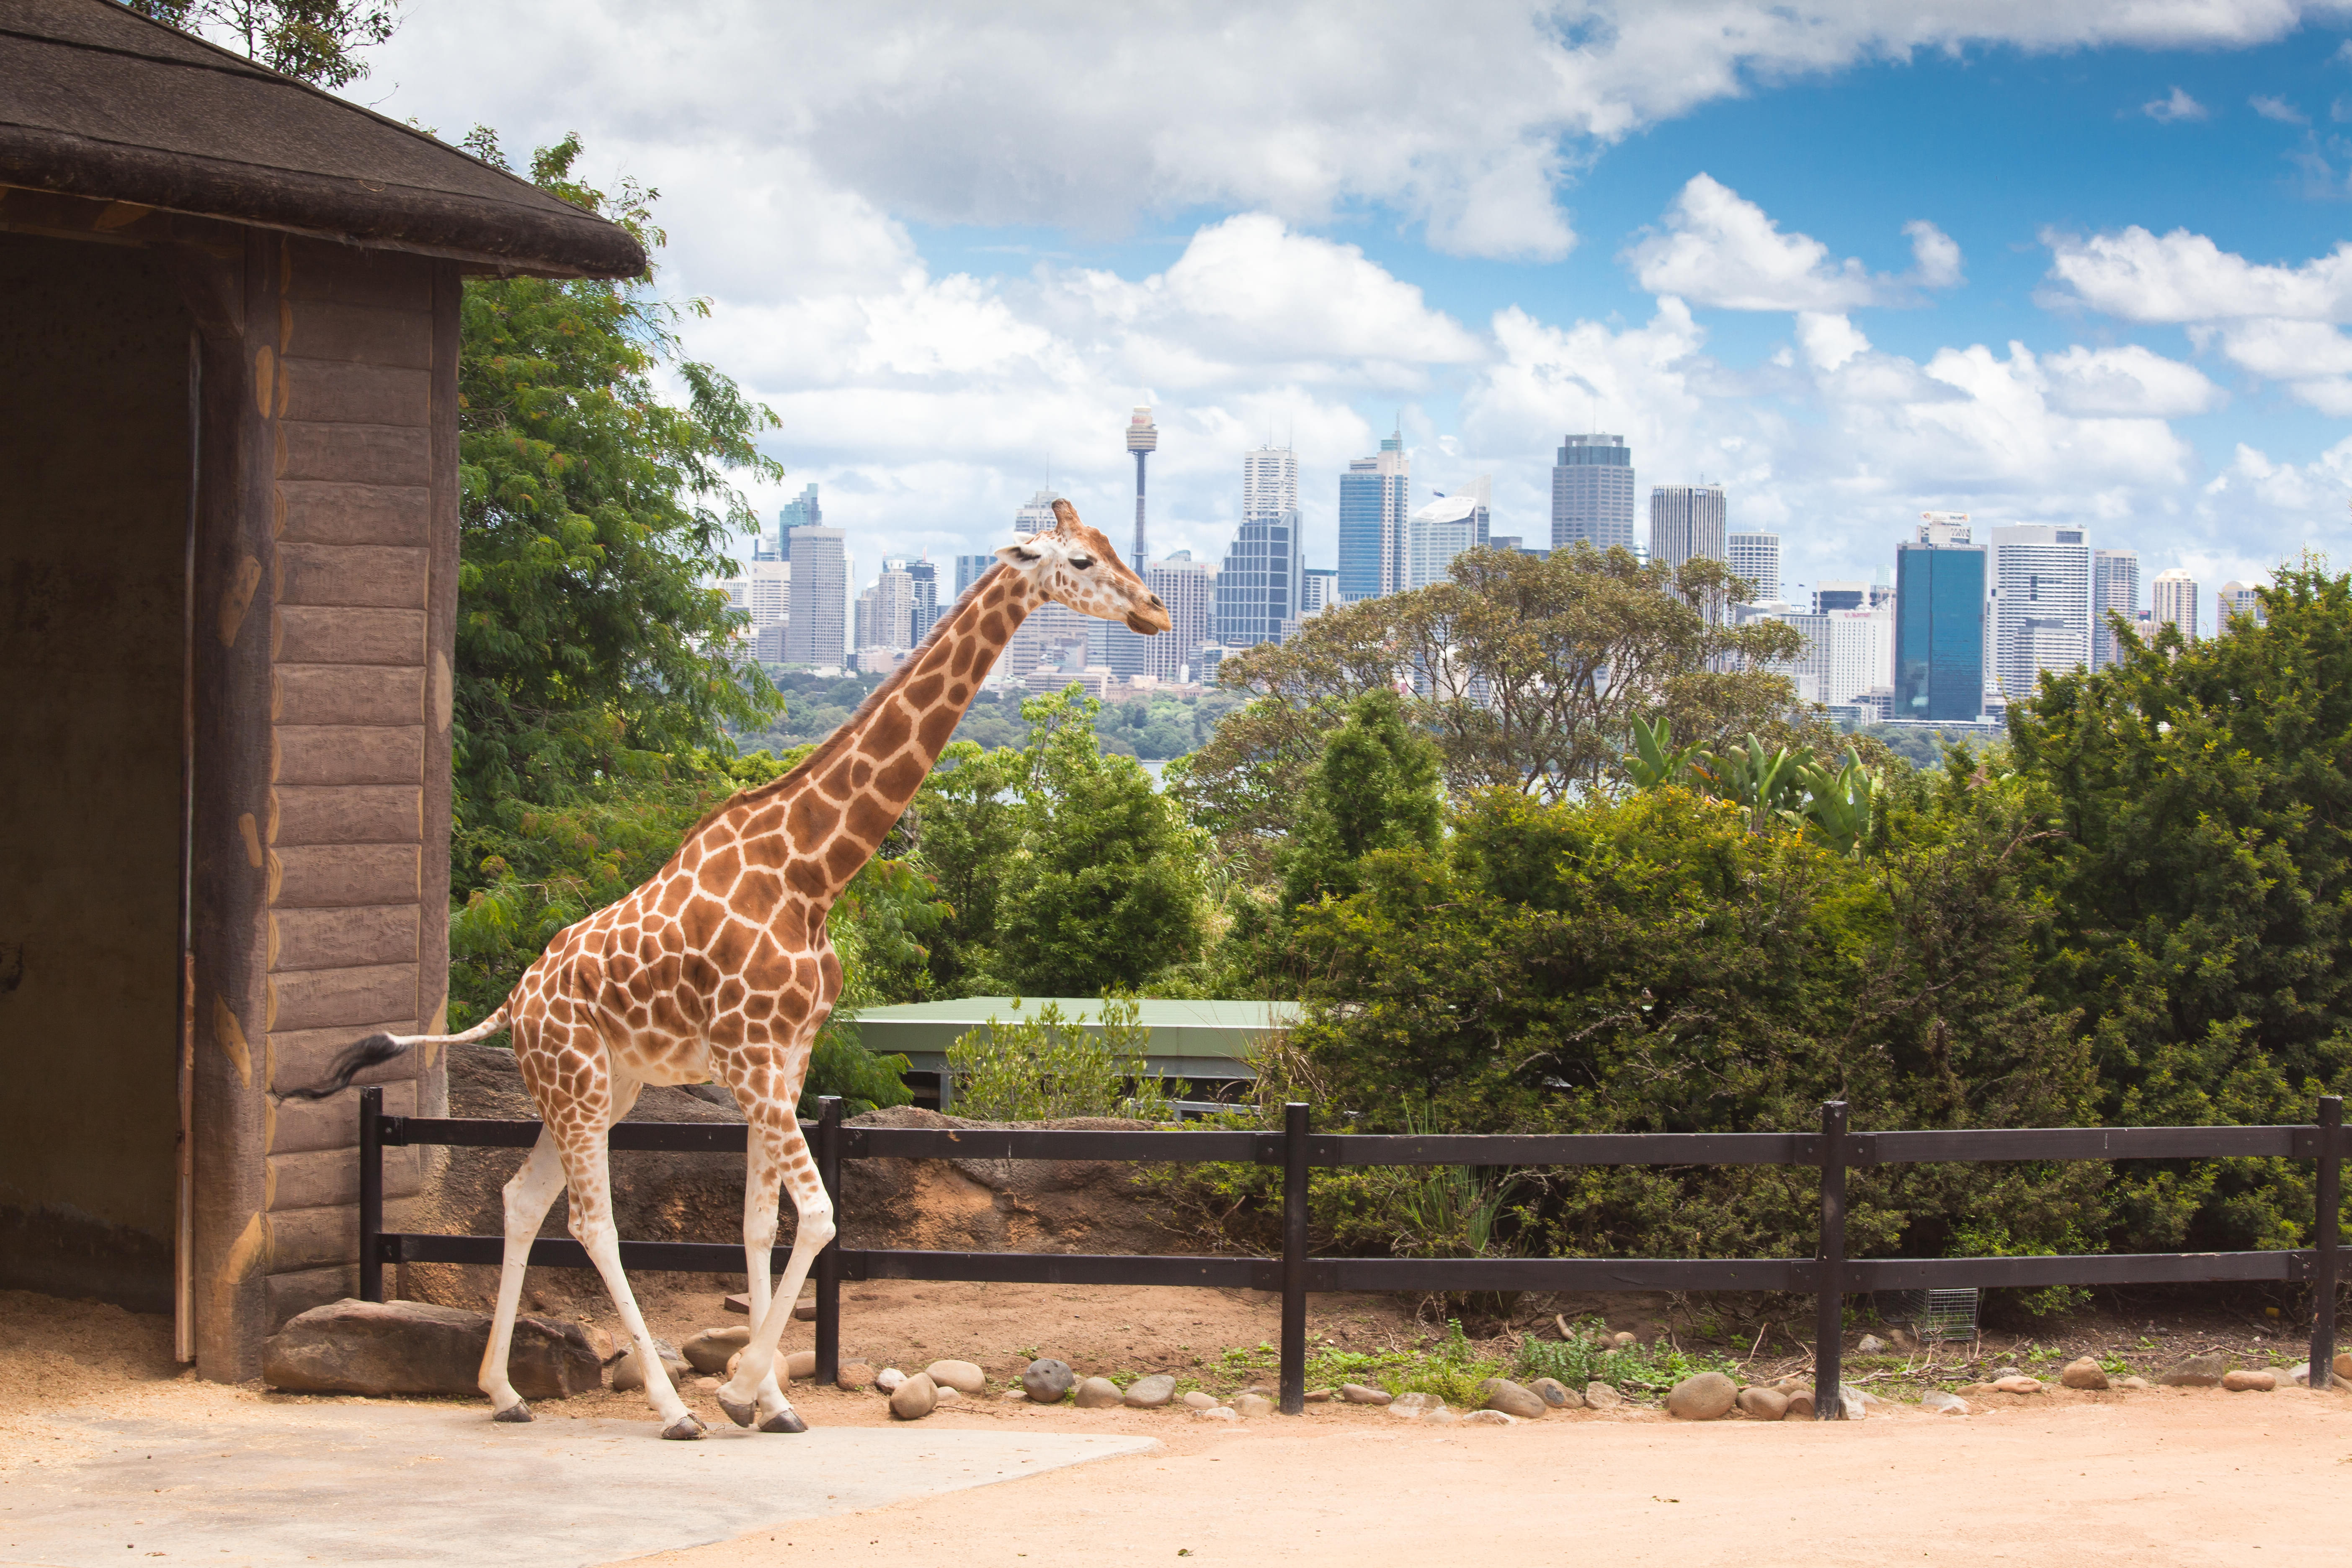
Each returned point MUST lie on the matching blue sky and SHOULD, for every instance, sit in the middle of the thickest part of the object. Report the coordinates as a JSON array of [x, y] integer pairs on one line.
[[951, 249]]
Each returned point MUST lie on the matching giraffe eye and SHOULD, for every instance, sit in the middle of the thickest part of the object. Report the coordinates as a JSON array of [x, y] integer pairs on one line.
[[1083, 562]]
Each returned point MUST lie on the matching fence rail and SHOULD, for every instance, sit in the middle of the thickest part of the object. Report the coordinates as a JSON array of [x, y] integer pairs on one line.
[[1829, 1276]]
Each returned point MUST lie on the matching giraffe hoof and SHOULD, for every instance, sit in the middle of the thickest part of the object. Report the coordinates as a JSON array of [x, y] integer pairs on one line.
[[685, 1429], [517, 1413], [742, 1412], [785, 1420]]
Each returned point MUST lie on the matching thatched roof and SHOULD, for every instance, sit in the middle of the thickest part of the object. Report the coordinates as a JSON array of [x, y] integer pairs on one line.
[[97, 101]]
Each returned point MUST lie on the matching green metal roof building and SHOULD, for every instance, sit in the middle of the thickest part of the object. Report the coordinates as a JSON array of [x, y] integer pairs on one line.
[[1200, 1041]]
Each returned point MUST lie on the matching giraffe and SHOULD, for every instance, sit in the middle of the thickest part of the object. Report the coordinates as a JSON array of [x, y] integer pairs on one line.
[[719, 967]]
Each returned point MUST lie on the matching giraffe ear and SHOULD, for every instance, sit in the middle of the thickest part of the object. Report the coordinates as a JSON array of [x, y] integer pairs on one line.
[[1019, 554]]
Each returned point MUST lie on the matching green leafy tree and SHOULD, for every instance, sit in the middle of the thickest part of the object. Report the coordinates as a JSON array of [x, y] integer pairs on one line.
[[1375, 788], [318, 40]]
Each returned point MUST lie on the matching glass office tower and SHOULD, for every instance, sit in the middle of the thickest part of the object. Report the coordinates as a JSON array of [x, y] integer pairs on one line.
[[1939, 623]]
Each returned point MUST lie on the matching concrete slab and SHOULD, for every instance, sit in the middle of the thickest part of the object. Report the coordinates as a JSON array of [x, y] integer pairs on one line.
[[421, 1485]]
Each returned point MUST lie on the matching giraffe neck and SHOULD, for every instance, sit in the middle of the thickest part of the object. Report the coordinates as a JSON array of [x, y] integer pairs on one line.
[[838, 805]]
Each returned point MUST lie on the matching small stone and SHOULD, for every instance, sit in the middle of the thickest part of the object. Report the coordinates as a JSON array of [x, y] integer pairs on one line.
[[1489, 1418], [806, 1311], [948, 1396], [740, 1302], [1414, 1404], [1623, 1338], [1557, 1395], [1097, 1393], [709, 1350], [2344, 1364], [1763, 1403], [1997, 1374], [960, 1375], [2197, 1371], [1215, 1413], [1252, 1405], [2019, 1383], [2083, 1373], [1936, 1402], [1150, 1393], [1706, 1396], [1501, 1394], [708, 1383], [889, 1380], [1601, 1396], [1047, 1380], [1801, 1406], [855, 1377], [1199, 1400], [1903, 1338], [1860, 1398], [1869, 1344], [1358, 1393], [915, 1398], [1321, 1395], [2134, 1383], [2245, 1381], [801, 1365], [1438, 1415], [627, 1379], [1977, 1390]]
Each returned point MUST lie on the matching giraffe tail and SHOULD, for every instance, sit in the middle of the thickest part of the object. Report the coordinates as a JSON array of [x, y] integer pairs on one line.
[[377, 1049]]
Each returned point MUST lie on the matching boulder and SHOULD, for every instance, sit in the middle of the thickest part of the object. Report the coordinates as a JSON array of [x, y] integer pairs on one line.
[[1321, 1395], [2134, 1383], [801, 1365], [1869, 1344], [628, 1379], [1489, 1418], [2245, 1380], [1556, 1394], [2344, 1363], [1708, 1396], [1936, 1402], [2197, 1371], [1097, 1393], [854, 1377], [1047, 1380], [1359, 1393], [1196, 1400], [1150, 1393], [1763, 1403], [915, 1398], [961, 1375], [2083, 1373], [2020, 1383], [1801, 1406], [1252, 1404], [711, 1350], [1601, 1396], [1501, 1394], [414, 1347]]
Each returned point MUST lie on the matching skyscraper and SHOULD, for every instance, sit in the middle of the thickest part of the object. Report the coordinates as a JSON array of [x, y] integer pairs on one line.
[[1258, 586], [970, 569], [1037, 515], [1939, 622], [2114, 591], [1143, 440], [1372, 495], [1757, 557], [1437, 533], [2172, 601], [1592, 493], [820, 597], [1320, 591], [1686, 523], [2236, 599], [1188, 589], [801, 512], [2041, 605], [926, 579]]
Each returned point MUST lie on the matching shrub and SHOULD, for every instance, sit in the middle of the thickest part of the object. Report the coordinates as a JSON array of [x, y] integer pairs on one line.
[[1046, 1067]]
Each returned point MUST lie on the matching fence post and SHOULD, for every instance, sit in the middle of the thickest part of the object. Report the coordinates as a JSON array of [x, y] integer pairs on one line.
[[1294, 1259], [371, 1194], [1829, 1265], [828, 1262], [2329, 1203]]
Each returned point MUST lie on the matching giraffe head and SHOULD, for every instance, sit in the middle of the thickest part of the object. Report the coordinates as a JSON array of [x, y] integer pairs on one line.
[[1074, 566]]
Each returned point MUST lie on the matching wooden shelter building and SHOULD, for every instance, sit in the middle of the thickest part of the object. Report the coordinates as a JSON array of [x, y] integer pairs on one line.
[[229, 314]]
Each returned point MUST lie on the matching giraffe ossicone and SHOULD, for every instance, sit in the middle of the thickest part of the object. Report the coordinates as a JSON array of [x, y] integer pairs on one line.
[[719, 967]]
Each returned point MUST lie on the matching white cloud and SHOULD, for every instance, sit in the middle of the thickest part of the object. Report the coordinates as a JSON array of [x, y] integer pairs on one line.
[[2180, 106], [1829, 341], [2277, 109], [2184, 277], [2130, 380], [1719, 249]]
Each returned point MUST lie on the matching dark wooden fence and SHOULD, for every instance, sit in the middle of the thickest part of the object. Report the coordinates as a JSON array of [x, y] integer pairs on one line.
[[1829, 1275]]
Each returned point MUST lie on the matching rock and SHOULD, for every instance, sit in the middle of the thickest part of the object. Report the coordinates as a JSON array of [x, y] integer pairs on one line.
[[1414, 1404], [1903, 1338], [2083, 1373], [801, 1365], [1438, 1415], [2197, 1371], [740, 1302], [414, 1347], [710, 1349], [1013, 1392], [1501, 1394], [1321, 1395], [2248, 1382], [854, 1377], [627, 1379], [2019, 1385], [915, 1398], [889, 1380], [1601, 1396], [1252, 1405], [1860, 1398], [1708, 1396], [1621, 1340], [948, 1396], [2344, 1363], [960, 1375], [1199, 1400], [1150, 1393], [1358, 1393], [1801, 1406], [708, 1382], [1047, 1379], [1556, 1394], [1869, 1344], [805, 1310], [2134, 1383], [1763, 1403], [1997, 1374], [1489, 1418], [1977, 1390], [1936, 1402], [602, 1342], [1215, 1413], [1097, 1393]]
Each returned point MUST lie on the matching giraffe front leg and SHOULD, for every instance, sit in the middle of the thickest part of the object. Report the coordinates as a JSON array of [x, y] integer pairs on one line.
[[755, 1376], [529, 1195], [762, 1178]]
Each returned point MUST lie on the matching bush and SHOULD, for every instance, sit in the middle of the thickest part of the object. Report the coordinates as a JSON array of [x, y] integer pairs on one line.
[[1636, 1369], [1048, 1067]]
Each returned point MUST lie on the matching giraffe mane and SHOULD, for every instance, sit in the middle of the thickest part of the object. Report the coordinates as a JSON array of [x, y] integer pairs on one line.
[[831, 745]]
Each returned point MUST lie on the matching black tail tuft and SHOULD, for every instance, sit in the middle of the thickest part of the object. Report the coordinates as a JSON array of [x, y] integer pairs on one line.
[[354, 1061]]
